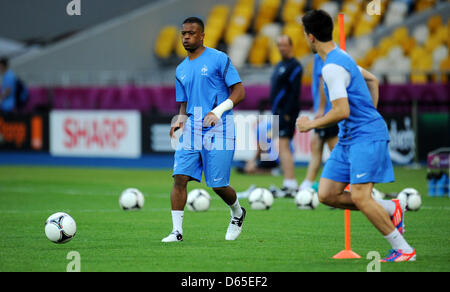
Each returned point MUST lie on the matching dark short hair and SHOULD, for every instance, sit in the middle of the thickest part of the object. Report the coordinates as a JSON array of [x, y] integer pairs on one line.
[[318, 23], [4, 61], [197, 20]]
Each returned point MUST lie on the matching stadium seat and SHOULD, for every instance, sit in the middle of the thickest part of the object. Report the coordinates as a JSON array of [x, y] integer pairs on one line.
[[361, 29], [363, 45], [400, 34], [395, 53], [212, 37], [445, 67], [317, 3], [179, 49], [295, 32], [439, 55], [352, 11], [443, 34], [331, 7], [421, 62], [239, 50], [434, 22], [408, 45], [267, 11], [240, 20], [417, 53], [232, 33], [365, 24], [421, 33], [395, 63], [259, 51], [371, 56], [292, 10], [165, 43], [396, 13], [418, 78], [422, 5], [272, 30], [215, 25], [385, 45]]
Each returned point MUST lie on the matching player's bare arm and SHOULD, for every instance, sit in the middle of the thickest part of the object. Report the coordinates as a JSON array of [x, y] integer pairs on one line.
[[181, 118], [340, 111], [372, 84], [237, 95]]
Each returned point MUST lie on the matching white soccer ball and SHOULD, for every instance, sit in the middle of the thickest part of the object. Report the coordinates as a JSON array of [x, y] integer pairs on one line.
[[131, 199], [60, 227], [198, 200], [377, 194], [260, 199], [411, 198], [307, 199]]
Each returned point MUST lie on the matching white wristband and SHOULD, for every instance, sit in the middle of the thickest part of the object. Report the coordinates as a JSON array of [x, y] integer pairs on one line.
[[223, 107]]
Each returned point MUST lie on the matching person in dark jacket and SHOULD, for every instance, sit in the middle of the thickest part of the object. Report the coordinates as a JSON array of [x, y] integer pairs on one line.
[[285, 103]]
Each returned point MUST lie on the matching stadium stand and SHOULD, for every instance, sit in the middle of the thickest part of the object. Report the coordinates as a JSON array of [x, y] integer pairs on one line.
[[34, 21], [166, 41], [407, 44], [409, 53]]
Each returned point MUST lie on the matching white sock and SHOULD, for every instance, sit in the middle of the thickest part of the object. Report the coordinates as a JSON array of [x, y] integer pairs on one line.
[[306, 184], [397, 241], [236, 210], [177, 221], [388, 205], [290, 183]]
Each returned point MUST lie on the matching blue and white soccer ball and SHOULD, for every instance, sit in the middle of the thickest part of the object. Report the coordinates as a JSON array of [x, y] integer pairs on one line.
[[131, 199], [307, 199], [60, 227], [260, 199], [198, 200], [411, 198]]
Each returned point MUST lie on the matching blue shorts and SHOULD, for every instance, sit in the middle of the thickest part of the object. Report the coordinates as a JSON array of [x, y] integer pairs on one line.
[[215, 163], [362, 162]]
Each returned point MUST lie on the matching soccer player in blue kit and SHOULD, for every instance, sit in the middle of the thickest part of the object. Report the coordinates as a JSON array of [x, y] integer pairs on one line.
[[204, 80], [361, 156]]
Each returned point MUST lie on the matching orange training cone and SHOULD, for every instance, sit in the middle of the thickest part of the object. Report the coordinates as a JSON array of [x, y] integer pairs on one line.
[[347, 253]]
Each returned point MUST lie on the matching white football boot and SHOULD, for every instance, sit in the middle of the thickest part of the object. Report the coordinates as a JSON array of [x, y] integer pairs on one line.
[[235, 227], [175, 236]]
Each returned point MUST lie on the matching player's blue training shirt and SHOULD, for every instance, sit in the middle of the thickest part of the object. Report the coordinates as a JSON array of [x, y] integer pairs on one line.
[[315, 85], [204, 83], [9, 81], [364, 122]]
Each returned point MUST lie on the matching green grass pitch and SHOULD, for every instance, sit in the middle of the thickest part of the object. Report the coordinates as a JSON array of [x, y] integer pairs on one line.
[[280, 239]]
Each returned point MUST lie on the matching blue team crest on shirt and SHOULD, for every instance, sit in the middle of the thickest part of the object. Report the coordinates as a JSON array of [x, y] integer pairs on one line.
[[204, 70]]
